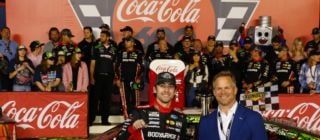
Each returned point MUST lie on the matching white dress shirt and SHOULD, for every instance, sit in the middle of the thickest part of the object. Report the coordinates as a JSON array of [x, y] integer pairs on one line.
[[226, 119]]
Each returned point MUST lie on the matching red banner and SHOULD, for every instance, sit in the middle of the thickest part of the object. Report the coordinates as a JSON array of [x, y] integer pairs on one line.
[[41, 114], [303, 108]]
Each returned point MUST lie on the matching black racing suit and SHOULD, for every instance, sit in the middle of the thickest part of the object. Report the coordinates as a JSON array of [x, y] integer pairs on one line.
[[154, 47], [129, 70], [162, 124], [284, 71], [257, 73]]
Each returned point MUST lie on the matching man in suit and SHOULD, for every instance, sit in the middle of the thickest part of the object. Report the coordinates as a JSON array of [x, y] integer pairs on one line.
[[231, 121]]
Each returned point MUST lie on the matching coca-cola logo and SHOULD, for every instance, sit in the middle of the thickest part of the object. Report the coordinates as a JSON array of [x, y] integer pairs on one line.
[[307, 115], [49, 116], [158, 11], [218, 17], [165, 65], [166, 68]]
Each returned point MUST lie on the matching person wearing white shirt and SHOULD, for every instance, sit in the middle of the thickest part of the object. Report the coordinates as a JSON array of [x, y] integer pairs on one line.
[[231, 121]]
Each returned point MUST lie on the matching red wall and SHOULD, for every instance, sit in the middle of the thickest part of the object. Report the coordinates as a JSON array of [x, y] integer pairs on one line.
[[31, 19]]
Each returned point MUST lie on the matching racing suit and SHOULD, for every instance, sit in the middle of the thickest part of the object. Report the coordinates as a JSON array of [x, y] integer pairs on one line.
[[129, 69], [257, 73], [162, 123]]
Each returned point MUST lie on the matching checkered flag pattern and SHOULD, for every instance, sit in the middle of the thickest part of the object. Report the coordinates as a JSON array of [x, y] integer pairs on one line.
[[94, 13], [230, 14], [270, 101]]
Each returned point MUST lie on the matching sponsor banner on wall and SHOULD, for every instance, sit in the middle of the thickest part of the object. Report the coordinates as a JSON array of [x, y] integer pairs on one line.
[[302, 108], [208, 17], [46, 114]]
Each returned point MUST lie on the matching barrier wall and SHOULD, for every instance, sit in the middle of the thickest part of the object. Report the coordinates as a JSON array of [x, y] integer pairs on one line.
[[303, 108]]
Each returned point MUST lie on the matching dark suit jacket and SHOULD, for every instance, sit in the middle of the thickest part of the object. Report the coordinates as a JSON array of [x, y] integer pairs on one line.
[[247, 125]]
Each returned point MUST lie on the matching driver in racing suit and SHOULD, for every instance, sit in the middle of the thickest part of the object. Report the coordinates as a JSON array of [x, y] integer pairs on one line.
[[157, 121]]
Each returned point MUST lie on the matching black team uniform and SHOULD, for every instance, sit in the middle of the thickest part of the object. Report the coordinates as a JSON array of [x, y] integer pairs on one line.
[[129, 69], [154, 47], [285, 71], [257, 73], [104, 75]]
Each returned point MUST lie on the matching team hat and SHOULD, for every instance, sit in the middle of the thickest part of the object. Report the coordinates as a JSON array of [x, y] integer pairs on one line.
[[22, 47], [247, 40], [47, 55], [166, 77], [77, 50], [61, 53], [233, 42], [35, 44]]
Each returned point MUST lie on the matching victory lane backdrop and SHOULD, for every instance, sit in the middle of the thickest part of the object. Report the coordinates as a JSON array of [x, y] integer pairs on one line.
[[31, 19]]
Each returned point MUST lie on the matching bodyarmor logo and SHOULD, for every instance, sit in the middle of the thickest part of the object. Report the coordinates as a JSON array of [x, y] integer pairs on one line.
[[161, 135], [219, 17]]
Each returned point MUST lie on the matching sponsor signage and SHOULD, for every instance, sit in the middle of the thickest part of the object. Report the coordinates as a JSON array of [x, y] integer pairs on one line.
[[302, 108], [208, 17], [46, 114]]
